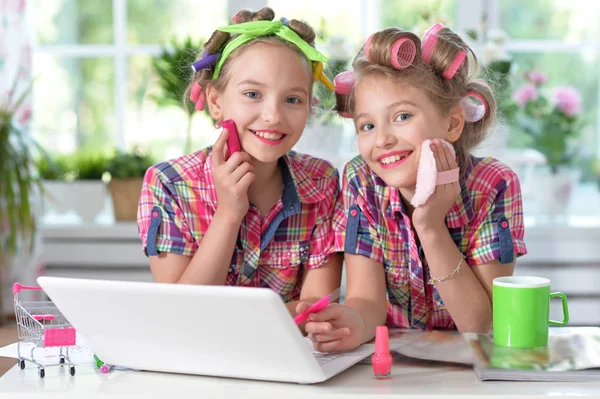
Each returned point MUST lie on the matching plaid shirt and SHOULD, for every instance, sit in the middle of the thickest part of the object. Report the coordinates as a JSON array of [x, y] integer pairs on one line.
[[486, 223], [178, 201]]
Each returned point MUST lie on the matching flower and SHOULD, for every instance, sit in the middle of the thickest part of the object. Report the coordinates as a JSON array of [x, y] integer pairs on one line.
[[537, 78], [568, 100], [550, 117], [525, 94]]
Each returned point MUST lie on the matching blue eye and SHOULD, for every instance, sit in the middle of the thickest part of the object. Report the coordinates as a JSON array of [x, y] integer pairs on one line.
[[292, 100], [367, 126], [403, 117], [252, 94]]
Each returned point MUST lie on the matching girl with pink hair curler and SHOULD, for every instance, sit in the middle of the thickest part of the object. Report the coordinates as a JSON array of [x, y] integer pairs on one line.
[[424, 225]]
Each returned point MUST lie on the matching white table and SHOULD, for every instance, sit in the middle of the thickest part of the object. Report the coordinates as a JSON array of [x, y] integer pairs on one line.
[[409, 377]]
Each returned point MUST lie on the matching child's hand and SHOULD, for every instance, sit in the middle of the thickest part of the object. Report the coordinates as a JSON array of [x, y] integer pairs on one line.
[[432, 214], [232, 178], [335, 328]]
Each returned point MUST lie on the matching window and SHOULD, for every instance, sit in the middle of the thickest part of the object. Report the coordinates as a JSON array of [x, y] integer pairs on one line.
[[95, 81], [562, 39]]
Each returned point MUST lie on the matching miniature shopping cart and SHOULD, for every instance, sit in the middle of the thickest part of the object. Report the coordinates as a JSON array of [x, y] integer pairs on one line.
[[43, 325]]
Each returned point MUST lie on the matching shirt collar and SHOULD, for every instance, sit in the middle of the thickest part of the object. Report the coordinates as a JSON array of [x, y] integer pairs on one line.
[[298, 186]]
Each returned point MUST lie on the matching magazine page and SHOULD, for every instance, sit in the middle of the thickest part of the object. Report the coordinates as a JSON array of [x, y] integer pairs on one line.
[[569, 349], [441, 346]]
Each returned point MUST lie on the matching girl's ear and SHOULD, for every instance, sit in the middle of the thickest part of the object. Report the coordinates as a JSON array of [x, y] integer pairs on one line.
[[456, 122], [214, 99]]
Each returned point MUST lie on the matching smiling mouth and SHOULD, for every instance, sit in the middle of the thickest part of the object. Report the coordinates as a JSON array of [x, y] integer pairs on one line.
[[268, 135], [394, 160]]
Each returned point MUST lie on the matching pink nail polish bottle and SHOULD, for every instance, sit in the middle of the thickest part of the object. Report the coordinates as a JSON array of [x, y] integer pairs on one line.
[[382, 359]]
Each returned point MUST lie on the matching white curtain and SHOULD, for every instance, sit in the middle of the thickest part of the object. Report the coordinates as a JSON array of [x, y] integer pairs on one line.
[[15, 77]]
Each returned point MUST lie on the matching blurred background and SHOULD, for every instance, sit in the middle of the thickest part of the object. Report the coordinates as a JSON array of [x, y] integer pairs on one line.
[[101, 83]]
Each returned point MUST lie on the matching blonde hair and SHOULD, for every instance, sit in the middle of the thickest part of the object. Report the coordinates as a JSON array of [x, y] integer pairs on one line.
[[218, 41], [444, 93]]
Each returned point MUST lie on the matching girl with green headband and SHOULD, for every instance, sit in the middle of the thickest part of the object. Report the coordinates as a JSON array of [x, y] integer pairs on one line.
[[260, 217]]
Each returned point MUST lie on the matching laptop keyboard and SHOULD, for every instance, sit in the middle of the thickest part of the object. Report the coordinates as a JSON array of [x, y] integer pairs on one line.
[[323, 358]]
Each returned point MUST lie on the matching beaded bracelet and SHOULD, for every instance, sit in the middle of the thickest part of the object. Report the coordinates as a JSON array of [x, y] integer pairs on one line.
[[434, 281]]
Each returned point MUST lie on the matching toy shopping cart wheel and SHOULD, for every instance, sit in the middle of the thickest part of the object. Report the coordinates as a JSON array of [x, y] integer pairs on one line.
[[43, 325]]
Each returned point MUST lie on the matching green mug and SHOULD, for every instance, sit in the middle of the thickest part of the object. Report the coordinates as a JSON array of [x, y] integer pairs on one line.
[[521, 311]]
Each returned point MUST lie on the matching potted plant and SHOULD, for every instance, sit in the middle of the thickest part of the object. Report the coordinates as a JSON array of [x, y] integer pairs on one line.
[[551, 120], [88, 192], [126, 178], [19, 182], [56, 173], [174, 72]]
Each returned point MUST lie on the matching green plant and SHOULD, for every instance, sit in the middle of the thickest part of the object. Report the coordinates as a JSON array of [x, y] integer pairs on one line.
[[90, 166], [129, 165], [174, 72], [18, 177], [54, 167]]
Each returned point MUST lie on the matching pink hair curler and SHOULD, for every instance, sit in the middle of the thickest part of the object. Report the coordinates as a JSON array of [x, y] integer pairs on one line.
[[366, 46], [201, 102], [454, 65], [428, 42], [343, 83], [403, 53], [473, 112], [195, 92]]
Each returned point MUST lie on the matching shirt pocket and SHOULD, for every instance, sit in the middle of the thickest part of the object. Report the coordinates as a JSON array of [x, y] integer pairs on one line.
[[397, 277], [396, 267], [235, 266], [281, 267]]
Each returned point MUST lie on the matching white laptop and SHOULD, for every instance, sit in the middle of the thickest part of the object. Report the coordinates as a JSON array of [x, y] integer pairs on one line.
[[206, 330]]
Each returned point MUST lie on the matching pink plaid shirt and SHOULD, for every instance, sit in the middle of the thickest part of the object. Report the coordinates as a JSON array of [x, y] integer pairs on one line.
[[486, 223], [179, 200]]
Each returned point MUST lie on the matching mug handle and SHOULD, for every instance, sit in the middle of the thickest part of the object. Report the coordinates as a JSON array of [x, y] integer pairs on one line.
[[564, 307]]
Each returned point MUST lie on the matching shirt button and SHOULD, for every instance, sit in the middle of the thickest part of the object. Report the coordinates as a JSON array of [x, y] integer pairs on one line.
[[155, 214], [504, 224], [353, 212]]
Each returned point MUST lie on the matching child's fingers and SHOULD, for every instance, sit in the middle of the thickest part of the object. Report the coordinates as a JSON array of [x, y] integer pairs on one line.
[[219, 148], [241, 171], [452, 164], [438, 164], [318, 328], [246, 180], [332, 335], [301, 307], [332, 346], [440, 155], [329, 313]]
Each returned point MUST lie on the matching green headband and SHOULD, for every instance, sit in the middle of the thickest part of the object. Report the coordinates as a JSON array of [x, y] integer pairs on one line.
[[250, 30]]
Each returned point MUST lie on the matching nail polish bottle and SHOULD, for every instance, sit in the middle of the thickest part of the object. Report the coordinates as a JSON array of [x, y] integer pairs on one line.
[[382, 359]]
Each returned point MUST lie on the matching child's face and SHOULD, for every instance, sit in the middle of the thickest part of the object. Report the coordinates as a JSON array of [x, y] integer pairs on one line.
[[393, 119], [268, 97]]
